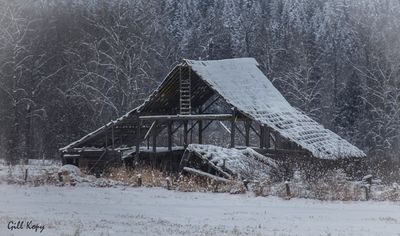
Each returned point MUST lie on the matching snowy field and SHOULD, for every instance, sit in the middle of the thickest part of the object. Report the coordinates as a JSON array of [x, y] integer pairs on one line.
[[156, 211]]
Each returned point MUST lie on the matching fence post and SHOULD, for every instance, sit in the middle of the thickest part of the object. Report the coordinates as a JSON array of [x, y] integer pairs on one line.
[[246, 184], [26, 175], [288, 195], [168, 179], [139, 180], [368, 180], [366, 192]]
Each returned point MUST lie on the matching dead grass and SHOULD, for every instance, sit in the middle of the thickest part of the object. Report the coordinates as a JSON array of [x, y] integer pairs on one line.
[[149, 177], [333, 186]]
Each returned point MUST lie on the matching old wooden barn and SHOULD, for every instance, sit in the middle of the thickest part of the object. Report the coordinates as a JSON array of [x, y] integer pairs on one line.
[[233, 94]]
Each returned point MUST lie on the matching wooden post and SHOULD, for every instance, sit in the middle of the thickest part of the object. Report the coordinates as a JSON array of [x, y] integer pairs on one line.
[[191, 132], [366, 192], [262, 135], [267, 137], [200, 131], [138, 137], [233, 128], [247, 132], [246, 184], [287, 189], [368, 183], [112, 138], [169, 135], [154, 137], [200, 122], [278, 140], [185, 136], [168, 179], [139, 180], [106, 135]]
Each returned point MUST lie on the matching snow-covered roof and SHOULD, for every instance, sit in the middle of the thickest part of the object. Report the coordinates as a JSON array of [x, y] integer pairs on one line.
[[244, 163], [243, 85]]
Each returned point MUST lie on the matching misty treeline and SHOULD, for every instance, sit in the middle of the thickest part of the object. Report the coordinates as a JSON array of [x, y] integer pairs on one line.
[[69, 66]]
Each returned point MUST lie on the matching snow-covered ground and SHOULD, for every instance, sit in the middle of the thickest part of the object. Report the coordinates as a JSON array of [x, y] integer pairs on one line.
[[155, 211]]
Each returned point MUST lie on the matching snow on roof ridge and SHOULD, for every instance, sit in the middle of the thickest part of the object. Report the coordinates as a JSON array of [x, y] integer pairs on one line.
[[249, 59]]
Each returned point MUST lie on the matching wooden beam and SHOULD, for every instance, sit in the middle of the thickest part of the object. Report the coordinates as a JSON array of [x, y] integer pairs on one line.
[[188, 117], [247, 124], [286, 151], [278, 141], [154, 137], [214, 166], [240, 131], [185, 131], [200, 131], [205, 174], [210, 104], [254, 130], [208, 124], [267, 137], [185, 159], [233, 126], [150, 129], [112, 138], [176, 129], [106, 135], [137, 153], [262, 136], [192, 126], [170, 136]]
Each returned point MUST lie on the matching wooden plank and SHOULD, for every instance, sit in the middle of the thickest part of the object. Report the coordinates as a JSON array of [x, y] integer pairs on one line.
[[215, 167], [205, 174], [224, 126], [185, 159], [282, 151], [188, 117], [150, 129]]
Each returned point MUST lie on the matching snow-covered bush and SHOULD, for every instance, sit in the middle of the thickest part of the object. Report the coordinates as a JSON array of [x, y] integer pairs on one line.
[[70, 174], [333, 186]]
